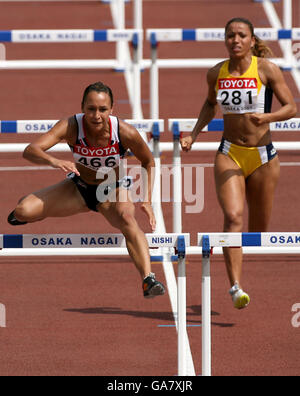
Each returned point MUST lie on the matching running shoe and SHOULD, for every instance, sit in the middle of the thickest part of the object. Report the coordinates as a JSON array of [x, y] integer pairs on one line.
[[13, 221], [152, 287], [239, 297]]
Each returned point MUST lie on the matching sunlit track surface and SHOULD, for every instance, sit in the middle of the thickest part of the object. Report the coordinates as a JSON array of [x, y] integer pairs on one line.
[[69, 315]]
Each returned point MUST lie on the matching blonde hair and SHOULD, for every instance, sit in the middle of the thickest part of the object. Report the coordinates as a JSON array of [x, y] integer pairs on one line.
[[260, 49]]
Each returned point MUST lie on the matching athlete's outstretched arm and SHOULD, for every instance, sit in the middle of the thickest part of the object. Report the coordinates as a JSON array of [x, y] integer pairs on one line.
[[36, 152], [207, 112]]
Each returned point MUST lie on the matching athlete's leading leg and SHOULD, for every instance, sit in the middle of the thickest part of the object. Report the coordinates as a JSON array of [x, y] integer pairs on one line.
[[260, 187], [120, 213], [230, 185], [60, 200]]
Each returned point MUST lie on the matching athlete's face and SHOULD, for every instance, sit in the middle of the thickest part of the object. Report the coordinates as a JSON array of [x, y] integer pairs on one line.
[[239, 40], [97, 109]]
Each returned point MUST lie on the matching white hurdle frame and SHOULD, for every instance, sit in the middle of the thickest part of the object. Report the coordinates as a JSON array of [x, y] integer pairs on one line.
[[114, 241], [208, 242], [132, 67], [144, 126]]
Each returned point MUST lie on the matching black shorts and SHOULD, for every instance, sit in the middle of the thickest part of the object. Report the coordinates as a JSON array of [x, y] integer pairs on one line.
[[90, 192]]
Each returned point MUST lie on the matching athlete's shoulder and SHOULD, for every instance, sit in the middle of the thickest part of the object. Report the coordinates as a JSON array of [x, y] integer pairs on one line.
[[61, 127], [127, 129], [216, 69], [129, 136], [269, 69], [213, 73], [266, 65], [70, 126]]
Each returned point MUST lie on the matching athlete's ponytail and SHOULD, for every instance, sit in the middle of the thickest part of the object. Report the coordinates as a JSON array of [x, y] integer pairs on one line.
[[260, 49]]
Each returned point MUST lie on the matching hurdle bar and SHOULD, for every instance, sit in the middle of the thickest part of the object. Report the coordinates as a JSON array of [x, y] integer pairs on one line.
[[210, 241], [176, 126], [135, 36], [67, 241], [155, 36], [42, 126], [179, 242], [68, 35], [155, 127], [146, 125]]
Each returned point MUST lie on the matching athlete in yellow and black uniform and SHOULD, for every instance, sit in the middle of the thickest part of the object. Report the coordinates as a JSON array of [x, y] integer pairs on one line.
[[246, 165], [241, 95]]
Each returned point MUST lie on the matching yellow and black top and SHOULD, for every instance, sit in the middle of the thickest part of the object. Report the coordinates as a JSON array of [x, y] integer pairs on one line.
[[243, 94]]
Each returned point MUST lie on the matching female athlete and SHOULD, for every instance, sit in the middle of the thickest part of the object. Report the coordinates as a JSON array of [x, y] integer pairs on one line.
[[98, 141], [246, 166]]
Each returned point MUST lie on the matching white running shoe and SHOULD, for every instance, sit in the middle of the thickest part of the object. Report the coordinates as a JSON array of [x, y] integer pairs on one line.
[[239, 297]]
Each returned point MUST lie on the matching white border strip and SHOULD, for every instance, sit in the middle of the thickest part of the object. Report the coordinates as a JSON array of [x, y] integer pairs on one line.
[[2, 315]]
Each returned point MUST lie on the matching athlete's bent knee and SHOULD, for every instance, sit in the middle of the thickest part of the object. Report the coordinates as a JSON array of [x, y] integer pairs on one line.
[[233, 222], [27, 212], [127, 220]]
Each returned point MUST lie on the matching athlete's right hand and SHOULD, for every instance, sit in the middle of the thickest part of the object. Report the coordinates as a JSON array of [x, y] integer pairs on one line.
[[66, 166], [186, 143]]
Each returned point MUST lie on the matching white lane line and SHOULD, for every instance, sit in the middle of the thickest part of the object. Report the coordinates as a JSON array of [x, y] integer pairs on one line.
[[2, 315], [24, 168], [37, 168]]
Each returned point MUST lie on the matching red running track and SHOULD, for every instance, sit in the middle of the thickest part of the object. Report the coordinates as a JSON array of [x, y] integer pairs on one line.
[[86, 316]]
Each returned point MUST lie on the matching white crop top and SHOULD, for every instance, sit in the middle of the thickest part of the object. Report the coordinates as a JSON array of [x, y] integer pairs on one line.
[[101, 159]]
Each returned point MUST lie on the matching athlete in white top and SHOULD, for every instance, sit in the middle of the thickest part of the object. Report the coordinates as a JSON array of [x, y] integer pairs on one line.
[[100, 159], [98, 141]]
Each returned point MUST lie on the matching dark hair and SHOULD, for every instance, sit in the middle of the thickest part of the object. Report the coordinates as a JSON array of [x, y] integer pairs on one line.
[[98, 87], [260, 49]]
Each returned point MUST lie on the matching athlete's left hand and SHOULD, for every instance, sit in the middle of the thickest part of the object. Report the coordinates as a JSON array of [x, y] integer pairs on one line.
[[147, 208], [259, 119]]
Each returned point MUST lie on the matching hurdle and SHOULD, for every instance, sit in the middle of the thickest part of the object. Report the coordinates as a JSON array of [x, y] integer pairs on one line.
[[118, 15], [179, 242], [208, 242], [135, 36], [155, 36], [152, 126], [144, 126], [43, 126], [66, 36]]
